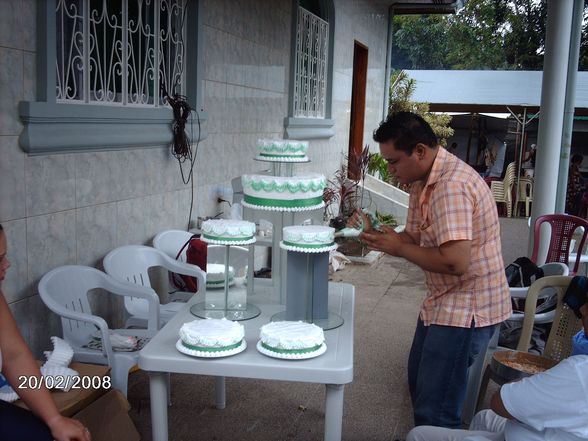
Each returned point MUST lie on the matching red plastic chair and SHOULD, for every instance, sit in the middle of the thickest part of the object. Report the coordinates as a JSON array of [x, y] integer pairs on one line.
[[563, 227]]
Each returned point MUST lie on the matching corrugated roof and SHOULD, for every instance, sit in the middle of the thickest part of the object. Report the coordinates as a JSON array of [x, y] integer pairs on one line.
[[486, 88]]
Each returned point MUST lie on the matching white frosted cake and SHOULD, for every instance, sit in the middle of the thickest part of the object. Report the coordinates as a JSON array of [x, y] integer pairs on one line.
[[308, 238], [228, 232], [285, 150], [211, 338], [289, 339], [281, 193], [215, 275]]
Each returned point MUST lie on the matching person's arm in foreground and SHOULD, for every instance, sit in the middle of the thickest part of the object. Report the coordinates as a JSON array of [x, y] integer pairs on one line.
[[497, 406], [18, 361]]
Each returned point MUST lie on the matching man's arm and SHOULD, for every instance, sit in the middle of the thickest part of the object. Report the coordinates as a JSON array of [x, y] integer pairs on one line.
[[497, 406], [452, 257]]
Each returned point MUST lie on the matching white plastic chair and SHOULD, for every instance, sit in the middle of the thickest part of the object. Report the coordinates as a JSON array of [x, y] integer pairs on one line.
[[559, 342], [502, 190], [171, 241], [476, 370], [65, 292], [130, 263], [525, 194], [549, 269]]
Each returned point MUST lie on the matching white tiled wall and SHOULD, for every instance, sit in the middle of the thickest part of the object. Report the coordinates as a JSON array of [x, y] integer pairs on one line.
[[73, 208]]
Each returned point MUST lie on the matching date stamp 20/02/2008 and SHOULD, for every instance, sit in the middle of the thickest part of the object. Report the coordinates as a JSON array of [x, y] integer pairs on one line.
[[65, 382]]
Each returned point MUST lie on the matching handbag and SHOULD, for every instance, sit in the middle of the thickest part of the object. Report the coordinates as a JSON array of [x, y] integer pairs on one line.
[[196, 254]]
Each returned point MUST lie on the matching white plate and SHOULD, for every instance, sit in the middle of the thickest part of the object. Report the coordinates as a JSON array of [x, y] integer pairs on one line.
[[303, 356], [324, 249], [282, 158], [184, 350], [219, 285]]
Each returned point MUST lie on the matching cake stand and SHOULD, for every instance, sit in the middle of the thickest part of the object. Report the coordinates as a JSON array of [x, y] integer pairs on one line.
[[307, 281], [225, 309], [279, 219], [282, 166]]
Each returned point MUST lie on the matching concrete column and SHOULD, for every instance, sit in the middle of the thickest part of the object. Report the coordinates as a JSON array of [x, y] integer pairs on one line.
[[388, 70], [553, 89], [568, 122]]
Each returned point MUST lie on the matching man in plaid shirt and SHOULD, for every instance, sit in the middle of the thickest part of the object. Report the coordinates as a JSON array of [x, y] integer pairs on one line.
[[452, 232]]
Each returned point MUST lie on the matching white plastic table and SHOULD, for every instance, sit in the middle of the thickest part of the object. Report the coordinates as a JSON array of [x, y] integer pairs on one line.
[[334, 368]]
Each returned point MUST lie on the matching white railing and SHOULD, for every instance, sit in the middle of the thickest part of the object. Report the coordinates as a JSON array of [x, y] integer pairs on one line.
[[118, 52], [312, 42]]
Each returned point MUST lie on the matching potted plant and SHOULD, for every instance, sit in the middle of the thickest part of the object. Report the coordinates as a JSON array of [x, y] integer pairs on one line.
[[345, 191]]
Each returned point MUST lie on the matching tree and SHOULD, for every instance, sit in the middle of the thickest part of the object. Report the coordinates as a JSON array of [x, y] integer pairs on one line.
[[409, 33], [401, 90], [485, 34]]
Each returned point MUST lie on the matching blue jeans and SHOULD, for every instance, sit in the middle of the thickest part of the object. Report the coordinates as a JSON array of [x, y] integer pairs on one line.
[[20, 424], [437, 371]]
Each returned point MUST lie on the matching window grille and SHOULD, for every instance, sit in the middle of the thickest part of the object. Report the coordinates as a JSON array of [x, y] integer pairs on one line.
[[312, 42], [119, 52]]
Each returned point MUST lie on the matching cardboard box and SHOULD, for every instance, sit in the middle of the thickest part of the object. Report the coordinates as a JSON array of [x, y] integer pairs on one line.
[[108, 418], [71, 402], [105, 412]]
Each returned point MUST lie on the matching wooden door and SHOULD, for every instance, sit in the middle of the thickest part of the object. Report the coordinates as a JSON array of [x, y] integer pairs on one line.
[[356, 124]]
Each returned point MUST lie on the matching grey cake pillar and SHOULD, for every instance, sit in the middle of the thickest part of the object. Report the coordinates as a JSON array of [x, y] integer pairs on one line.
[[307, 290], [307, 286]]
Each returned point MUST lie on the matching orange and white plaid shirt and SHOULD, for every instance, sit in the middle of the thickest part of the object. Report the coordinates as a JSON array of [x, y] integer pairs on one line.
[[456, 204]]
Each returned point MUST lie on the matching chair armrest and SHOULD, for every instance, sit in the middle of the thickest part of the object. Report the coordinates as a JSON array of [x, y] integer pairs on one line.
[[184, 268], [180, 296], [97, 321], [129, 289]]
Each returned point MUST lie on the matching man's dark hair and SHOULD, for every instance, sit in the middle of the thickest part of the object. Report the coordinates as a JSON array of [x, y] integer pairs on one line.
[[405, 130], [577, 158]]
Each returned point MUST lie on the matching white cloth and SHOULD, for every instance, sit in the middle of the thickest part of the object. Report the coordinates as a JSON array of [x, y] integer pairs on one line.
[[551, 406], [486, 426]]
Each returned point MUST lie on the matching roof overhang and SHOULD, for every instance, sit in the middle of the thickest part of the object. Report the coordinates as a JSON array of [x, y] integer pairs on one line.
[[426, 6], [488, 91]]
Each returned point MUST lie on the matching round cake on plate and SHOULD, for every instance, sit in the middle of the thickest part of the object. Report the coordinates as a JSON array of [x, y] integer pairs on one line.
[[284, 193], [211, 338], [228, 232], [291, 340], [282, 150], [308, 238]]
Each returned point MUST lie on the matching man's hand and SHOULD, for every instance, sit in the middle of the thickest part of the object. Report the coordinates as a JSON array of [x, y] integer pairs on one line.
[[360, 221], [386, 240]]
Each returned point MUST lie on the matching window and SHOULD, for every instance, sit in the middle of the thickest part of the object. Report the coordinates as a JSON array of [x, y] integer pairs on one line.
[[312, 72], [118, 52], [310, 69], [102, 67]]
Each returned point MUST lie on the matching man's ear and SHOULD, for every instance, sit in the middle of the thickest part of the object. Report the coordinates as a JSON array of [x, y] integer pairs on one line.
[[420, 150]]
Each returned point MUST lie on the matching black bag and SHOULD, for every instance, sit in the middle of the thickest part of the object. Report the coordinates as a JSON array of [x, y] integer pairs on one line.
[[522, 272], [577, 294], [196, 255]]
